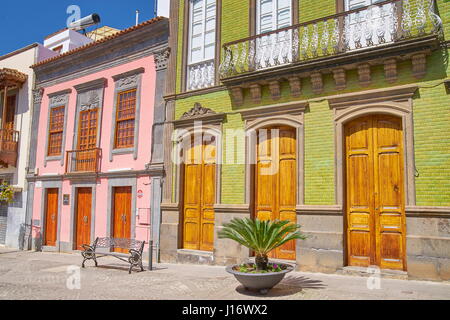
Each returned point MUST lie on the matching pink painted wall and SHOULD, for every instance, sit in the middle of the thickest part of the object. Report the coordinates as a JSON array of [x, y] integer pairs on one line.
[[119, 161], [145, 119]]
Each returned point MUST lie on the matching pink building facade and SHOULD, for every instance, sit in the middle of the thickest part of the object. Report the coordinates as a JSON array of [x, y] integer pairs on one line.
[[98, 117]]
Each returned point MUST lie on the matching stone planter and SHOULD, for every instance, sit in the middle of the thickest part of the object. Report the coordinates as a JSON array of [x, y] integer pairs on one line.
[[261, 282]]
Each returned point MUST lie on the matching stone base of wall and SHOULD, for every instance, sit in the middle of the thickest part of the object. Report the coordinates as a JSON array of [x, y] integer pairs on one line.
[[319, 260], [428, 268], [428, 243]]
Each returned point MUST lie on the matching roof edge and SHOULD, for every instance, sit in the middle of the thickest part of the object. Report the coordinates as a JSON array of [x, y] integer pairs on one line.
[[92, 44]]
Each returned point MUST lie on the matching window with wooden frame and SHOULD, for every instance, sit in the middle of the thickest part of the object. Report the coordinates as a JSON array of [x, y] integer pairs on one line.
[[56, 131], [125, 119]]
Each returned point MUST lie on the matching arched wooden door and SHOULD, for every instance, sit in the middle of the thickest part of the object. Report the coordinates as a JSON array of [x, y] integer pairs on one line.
[[276, 180], [199, 194], [375, 192]]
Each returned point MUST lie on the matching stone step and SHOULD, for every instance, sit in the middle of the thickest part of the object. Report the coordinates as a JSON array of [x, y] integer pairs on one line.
[[373, 270]]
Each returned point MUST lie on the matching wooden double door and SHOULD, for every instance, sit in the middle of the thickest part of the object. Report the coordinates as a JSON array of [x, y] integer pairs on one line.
[[83, 217], [51, 217], [276, 180], [199, 195], [122, 214], [375, 206]]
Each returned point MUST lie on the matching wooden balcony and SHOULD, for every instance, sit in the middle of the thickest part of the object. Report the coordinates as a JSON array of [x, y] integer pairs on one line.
[[394, 29], [9, 142], [83, 161]]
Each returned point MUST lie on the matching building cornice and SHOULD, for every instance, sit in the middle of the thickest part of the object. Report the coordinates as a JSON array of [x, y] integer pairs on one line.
[[94, 84]]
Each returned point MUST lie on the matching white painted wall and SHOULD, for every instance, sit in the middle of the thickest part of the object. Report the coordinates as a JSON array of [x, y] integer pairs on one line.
[[69, 39], [163, 8]]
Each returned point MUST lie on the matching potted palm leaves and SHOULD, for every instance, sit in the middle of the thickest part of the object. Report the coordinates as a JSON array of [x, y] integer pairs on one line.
[[262, 237]]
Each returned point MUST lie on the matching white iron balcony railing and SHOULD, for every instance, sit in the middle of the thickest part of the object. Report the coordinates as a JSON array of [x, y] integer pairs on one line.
[[201, 75], [381, 24]]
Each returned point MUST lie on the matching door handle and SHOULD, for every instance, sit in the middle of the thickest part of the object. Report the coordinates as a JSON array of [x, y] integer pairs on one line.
[[85, 219], [53, 217]]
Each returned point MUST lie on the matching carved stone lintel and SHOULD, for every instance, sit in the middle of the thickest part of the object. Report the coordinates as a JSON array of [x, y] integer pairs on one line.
[[340, 79], [255, 92], [295, 84], [274, 87], [37, 95], [419, 65], [237, 95], [197, 111], [390, 70], [59, 99], [129, 81], [365, 78], [162, 59], [317, 82], [91, 101]]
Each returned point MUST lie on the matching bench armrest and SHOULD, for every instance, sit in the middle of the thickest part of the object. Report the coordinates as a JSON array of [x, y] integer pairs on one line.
[[88, 247], [135, 256]]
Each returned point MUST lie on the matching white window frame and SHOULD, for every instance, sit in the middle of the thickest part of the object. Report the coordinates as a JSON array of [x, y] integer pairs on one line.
[[204, 64], [274, 15]]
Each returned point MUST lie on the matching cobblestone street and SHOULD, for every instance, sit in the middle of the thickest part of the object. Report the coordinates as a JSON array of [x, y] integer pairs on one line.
[[36, 275]]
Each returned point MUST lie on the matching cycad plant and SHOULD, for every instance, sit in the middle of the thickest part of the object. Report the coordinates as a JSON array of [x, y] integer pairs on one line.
[[261, 236]]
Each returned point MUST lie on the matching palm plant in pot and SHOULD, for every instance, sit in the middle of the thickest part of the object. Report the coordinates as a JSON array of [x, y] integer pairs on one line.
[[262, 237]]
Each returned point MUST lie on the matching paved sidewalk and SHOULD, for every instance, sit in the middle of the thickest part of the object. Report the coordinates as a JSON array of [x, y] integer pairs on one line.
[[36, 275]]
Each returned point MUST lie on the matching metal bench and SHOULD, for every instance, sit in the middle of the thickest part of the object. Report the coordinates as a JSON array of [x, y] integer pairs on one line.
[[134, 247]]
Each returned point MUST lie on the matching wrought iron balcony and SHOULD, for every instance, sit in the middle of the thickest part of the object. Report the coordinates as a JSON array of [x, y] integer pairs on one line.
[[9, 141], [83, 161], [201, 75], [381, 25]]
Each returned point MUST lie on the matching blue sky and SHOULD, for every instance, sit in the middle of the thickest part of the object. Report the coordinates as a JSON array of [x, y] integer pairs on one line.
[[27, 21]]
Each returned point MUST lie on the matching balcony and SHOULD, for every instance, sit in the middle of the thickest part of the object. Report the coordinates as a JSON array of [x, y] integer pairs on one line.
[[83, 161], [384, 33], [9, 141]]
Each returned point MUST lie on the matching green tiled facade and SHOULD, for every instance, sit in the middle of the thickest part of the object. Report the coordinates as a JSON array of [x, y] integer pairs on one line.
[[433, 181], [431, 115]]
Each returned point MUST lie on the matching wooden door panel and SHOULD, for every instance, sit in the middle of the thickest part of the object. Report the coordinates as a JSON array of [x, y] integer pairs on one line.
[[51, 220], [192, 206], [122, 215], [208, 199], [390, 180], [360, 251], [191, 234], [288, 183], [359, 181], [265, 194], [276, 181], [287, 186], [207, 235], [389, 200], [83, 227], [199, 195], [375, 192], [359, 166]]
